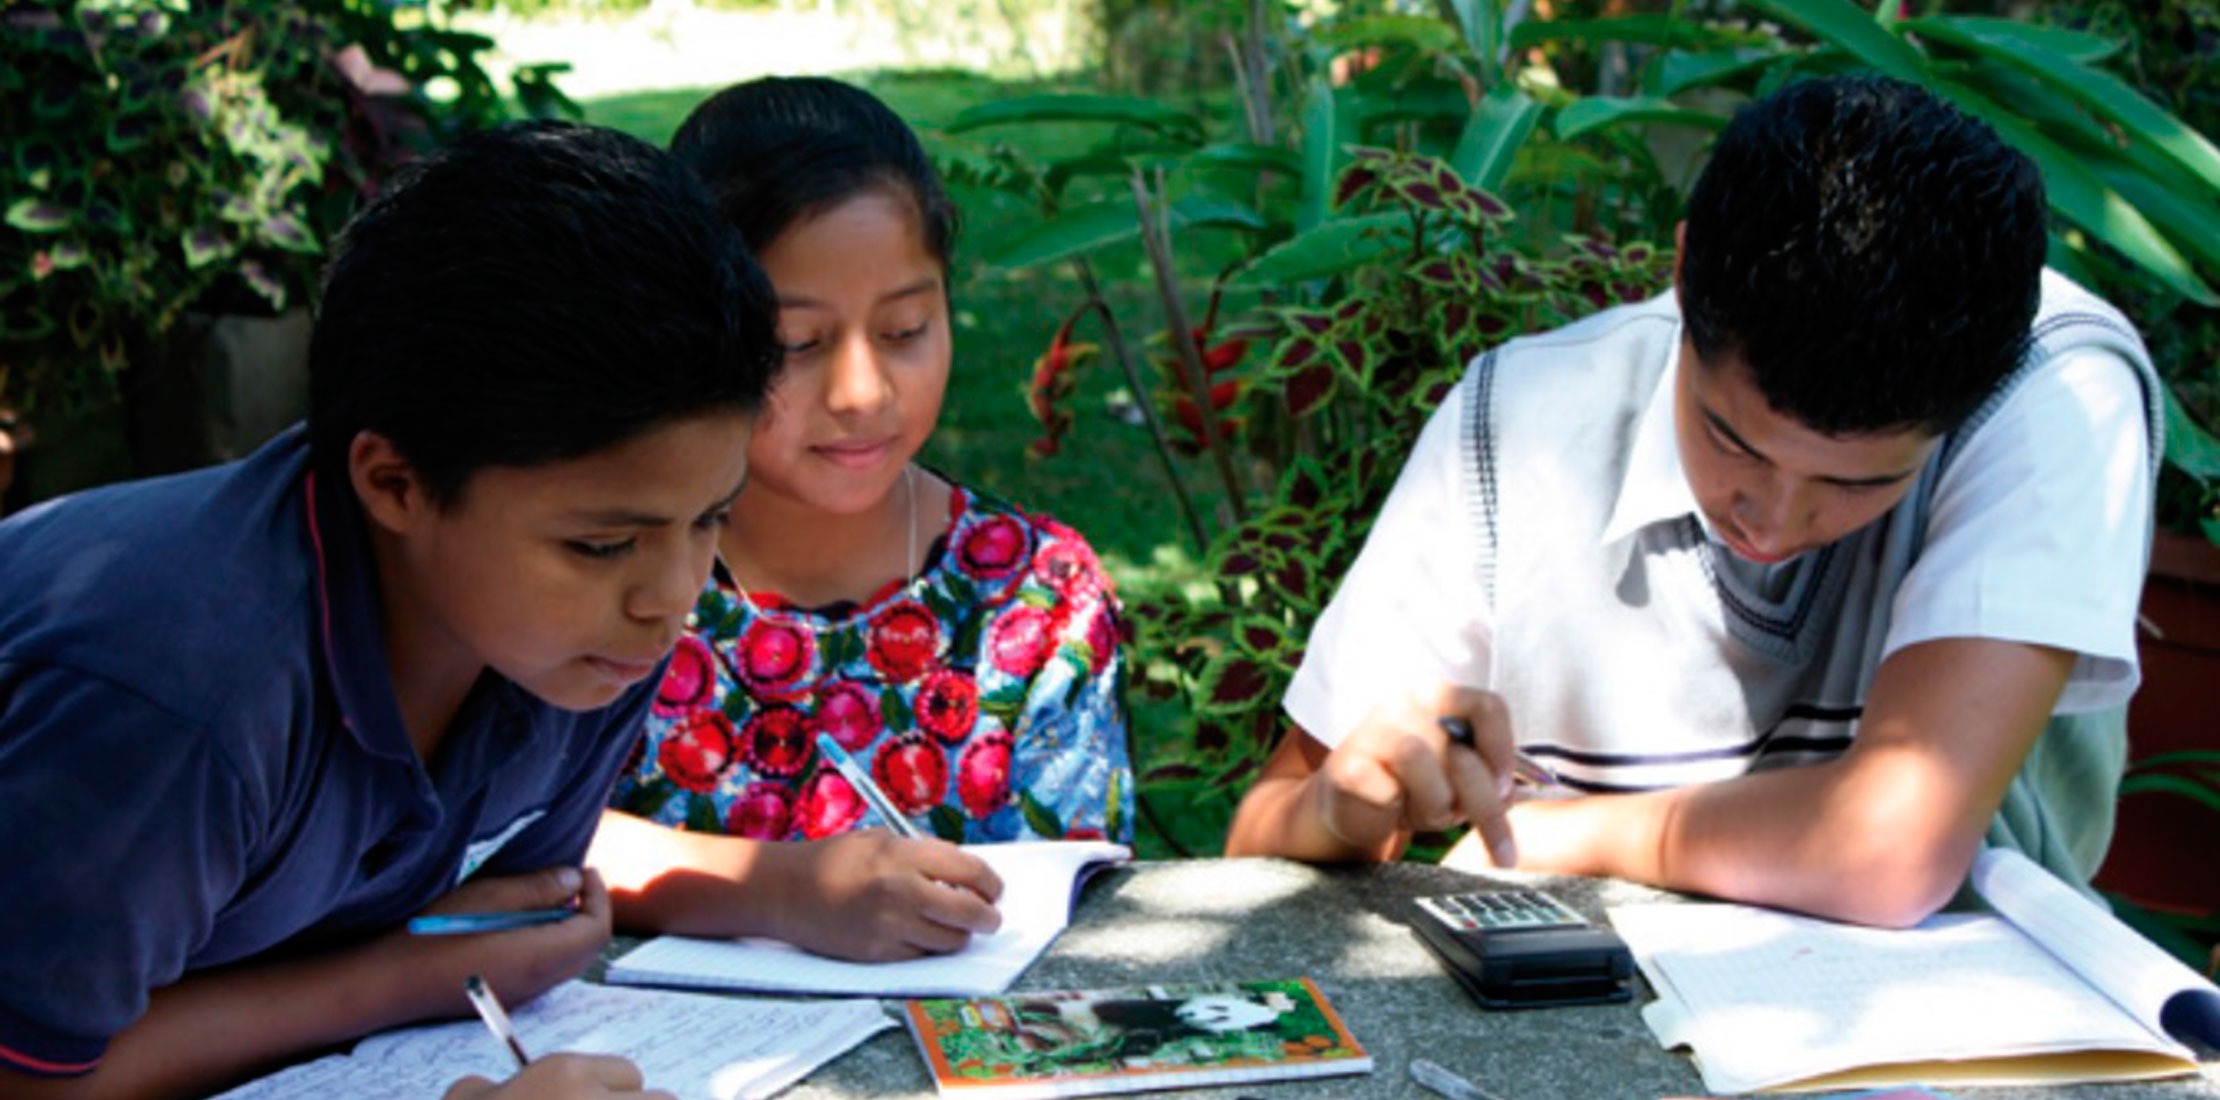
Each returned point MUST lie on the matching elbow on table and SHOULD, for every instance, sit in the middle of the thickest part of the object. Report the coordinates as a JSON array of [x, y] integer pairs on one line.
[[1896, 889]]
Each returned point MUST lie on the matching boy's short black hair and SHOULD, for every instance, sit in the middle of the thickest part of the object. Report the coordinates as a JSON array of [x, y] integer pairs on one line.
[[533, 293], [780, 150], [1873, 254]]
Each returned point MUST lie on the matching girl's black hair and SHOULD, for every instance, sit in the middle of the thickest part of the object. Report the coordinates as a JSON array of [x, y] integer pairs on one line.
[[779, 150]]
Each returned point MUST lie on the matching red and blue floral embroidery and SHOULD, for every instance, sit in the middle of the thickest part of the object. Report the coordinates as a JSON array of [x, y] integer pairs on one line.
[[984, 696]]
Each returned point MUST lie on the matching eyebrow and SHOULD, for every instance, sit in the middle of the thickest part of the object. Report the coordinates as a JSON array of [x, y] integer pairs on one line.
[[620, 517], [925, 285], [1720, 425]]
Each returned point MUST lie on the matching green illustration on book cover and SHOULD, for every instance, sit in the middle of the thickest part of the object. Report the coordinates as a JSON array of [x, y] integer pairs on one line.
[[1090, 1033]]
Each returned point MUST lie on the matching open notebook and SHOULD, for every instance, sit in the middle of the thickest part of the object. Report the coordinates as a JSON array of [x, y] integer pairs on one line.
[[1039, 881], [696, 1047], [2049, 988]]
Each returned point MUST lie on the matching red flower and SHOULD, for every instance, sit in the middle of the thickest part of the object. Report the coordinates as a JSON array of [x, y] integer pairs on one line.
[[773, 655], [762, 812], [697, 750], [776, 741], [850, 713], [1083, 834], [912, 771], [1102, 637], [686, 685], [1053, 380], [948, 705], [828, 805], [983, 775], [1068, 566], [1021, 640], [903, 640], [994, 549]]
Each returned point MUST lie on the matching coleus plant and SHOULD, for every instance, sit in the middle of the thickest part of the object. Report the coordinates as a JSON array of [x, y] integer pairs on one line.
[[1342, 387]]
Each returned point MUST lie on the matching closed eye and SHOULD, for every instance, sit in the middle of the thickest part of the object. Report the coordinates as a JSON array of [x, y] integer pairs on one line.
[[601, 551]]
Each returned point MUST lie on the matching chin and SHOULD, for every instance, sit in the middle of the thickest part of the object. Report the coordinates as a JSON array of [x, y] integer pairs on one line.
[[576, 693]]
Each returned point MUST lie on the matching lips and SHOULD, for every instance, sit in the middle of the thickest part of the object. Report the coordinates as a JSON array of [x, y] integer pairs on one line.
[[628, 671], [855, 454]]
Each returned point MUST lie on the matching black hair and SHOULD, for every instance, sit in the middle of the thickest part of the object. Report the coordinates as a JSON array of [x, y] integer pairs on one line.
[[780, 150], [1872, 253], [533, 293]]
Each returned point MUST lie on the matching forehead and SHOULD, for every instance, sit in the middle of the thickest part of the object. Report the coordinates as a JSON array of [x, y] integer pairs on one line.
[[1722, 397], [670, 471], [881, 222]]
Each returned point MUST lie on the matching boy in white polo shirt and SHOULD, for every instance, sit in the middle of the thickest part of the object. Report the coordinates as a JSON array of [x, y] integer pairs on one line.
[[1805, 577]]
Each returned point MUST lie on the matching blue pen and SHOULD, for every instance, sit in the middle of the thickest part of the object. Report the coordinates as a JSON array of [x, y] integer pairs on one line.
[[455, 924], [868, 790]]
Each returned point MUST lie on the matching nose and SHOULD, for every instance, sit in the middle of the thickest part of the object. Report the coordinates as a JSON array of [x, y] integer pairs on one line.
[[1774, 518], [857, 383], [668, 589]]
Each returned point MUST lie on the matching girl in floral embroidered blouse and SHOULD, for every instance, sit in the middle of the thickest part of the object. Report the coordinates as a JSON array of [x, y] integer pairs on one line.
[[963, 650]]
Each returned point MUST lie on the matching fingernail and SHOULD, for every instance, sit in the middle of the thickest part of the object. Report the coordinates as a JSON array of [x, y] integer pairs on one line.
[[1505, 851], [1504, 785], [569, 879]]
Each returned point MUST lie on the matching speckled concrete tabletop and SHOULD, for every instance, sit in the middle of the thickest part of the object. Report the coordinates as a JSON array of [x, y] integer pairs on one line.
[[1250, 919]]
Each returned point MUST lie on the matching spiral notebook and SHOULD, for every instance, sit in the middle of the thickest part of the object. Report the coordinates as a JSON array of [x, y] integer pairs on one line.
[[1040, 880]]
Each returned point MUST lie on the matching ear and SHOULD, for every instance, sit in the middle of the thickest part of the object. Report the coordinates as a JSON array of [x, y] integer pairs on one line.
[[386, 482]]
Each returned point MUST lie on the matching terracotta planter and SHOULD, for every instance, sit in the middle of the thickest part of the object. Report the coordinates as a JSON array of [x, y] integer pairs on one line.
[[2163, 856]]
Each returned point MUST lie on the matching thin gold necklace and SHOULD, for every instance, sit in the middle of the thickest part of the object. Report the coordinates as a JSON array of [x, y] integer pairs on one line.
[[909, 557]]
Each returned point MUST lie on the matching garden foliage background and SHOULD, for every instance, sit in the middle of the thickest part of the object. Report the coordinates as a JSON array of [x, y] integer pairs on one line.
[[1219, 258]]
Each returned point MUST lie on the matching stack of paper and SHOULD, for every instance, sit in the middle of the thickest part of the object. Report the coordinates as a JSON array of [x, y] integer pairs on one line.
[[2049, 988]]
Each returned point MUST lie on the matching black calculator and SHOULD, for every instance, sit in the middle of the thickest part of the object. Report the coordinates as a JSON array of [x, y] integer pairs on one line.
[[1519, 947]]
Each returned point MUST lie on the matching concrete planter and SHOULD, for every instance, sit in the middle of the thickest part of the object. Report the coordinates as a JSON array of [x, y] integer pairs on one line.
[[210, 390]]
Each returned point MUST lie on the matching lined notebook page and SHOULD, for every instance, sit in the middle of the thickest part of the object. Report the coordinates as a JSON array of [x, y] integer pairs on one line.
[[1765, 998], [2142, 979], [698, 1048], [1039, 879]]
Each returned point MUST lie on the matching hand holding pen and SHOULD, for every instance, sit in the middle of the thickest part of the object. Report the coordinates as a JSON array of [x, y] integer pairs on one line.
[[1526, 772], [556, 1077]]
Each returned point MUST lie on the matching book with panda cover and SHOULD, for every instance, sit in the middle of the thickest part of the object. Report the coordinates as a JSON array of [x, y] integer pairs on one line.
[[1086, 1042]]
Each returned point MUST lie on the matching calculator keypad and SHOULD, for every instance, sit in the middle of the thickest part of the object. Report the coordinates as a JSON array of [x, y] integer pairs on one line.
[[1500, 909]]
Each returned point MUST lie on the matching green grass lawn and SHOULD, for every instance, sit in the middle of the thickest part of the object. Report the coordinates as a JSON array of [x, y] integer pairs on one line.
[[1107, 482]]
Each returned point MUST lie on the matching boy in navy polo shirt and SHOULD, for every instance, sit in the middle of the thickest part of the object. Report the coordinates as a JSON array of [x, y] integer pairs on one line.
[[254, 717]]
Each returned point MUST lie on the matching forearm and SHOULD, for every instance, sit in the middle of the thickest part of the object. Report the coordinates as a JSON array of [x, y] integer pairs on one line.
[[214, 1029], [1831, 840], [1280, 816], [665, 880]]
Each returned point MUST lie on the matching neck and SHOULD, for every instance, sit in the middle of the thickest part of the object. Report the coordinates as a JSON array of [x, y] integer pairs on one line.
[[811, 557], [432, 674]]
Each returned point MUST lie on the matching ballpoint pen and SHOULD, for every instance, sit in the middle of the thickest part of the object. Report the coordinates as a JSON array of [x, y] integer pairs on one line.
[[1524, 769], [1446, 1083], [497, 1021], [453, 924], [864, 786]]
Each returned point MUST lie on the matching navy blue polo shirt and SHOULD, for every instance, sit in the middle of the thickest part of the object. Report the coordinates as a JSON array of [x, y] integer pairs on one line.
[[202, 758]]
